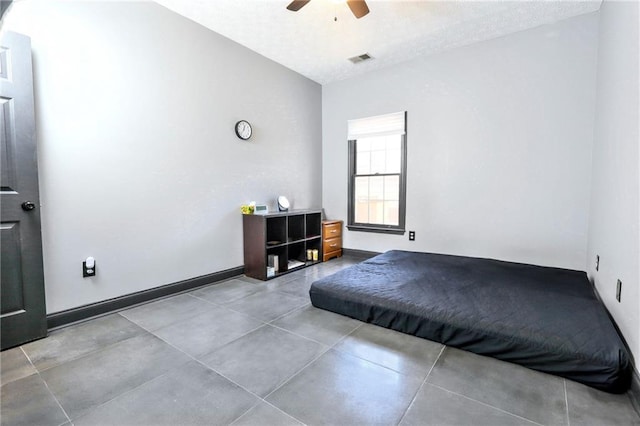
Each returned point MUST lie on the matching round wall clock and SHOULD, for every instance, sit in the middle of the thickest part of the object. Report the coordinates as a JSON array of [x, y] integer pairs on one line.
[[243, 130]]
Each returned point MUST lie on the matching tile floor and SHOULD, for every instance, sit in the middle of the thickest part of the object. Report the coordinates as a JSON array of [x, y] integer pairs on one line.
[[244, 352]]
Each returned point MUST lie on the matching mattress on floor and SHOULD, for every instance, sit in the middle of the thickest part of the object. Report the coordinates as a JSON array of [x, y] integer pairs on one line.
[[547, 319]]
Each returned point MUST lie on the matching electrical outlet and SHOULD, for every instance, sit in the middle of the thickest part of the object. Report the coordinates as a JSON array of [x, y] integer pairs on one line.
[[89, 267], [597, 262], [412, 235], [618, 290]]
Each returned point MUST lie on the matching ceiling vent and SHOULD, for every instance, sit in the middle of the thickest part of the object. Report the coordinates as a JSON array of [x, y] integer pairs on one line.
[[360, 58]]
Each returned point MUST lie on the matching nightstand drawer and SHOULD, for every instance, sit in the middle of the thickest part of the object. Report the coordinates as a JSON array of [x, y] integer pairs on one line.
[[331, 229], [332, 244]]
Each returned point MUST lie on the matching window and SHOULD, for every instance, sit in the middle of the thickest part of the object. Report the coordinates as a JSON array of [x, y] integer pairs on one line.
[[377, 173]]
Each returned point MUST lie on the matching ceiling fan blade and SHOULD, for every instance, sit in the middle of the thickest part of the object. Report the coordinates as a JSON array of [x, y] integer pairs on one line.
[[296, 5], [358, 7]]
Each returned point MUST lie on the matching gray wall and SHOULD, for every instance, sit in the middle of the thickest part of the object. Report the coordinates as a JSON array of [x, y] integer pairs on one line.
[[613, 224], [499, 141], [139, 163]]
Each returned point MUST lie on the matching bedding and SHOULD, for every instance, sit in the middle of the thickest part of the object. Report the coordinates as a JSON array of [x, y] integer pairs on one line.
[[547, 319]]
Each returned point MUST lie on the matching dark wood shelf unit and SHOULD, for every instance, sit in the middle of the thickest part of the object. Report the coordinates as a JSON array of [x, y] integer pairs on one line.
[[287, 235]]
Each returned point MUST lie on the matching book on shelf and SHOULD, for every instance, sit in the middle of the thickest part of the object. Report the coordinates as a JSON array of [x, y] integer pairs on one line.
[[294, 264], [272, 261]]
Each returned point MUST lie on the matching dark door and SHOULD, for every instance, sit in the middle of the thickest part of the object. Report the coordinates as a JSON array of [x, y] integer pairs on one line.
[[23, 315]]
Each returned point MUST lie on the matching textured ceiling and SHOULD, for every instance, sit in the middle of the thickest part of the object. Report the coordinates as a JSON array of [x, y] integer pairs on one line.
[[315, 45]]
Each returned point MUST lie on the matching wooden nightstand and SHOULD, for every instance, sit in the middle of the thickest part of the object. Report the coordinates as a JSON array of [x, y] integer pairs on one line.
[[331, 239]]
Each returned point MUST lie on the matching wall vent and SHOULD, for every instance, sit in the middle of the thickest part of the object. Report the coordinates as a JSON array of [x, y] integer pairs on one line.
[[360, 58]]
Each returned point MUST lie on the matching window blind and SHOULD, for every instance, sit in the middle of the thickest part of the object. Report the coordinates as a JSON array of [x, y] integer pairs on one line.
[[379, 125]]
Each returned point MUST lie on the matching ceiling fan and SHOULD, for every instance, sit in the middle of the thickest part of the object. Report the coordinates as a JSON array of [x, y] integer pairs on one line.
[[358, 7]]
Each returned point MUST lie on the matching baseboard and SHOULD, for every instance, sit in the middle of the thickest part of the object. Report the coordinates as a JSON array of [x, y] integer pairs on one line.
[[84, 312], [634, 391], [359, 253]]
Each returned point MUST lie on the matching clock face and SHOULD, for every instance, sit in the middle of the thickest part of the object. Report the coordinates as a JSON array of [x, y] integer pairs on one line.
[[243, 129]]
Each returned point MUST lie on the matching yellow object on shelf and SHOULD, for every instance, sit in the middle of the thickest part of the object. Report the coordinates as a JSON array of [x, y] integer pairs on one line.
[[247, 209]]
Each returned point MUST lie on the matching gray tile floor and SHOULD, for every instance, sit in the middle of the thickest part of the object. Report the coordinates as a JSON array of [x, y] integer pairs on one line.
[[245, 352]]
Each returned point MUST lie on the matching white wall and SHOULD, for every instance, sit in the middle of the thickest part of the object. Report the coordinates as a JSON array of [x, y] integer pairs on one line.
[[499, 145], [139, 163], [613, 224]]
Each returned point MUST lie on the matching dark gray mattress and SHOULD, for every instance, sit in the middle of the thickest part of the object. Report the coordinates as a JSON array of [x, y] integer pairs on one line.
[[547, 319]]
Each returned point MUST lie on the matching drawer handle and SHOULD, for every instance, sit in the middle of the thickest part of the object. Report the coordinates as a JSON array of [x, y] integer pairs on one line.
[[333, 245], [333, 231]]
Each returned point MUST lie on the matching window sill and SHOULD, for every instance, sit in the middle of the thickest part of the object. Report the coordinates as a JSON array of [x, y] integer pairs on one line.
[[359, 228]]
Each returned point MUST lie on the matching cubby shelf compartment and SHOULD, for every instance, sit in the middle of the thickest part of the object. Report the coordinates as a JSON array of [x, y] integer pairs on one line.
[[295, 228], [287, 235], [313, 226]]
